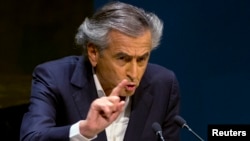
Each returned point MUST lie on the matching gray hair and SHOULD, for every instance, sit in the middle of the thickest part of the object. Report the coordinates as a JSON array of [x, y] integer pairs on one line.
[[128, 19]]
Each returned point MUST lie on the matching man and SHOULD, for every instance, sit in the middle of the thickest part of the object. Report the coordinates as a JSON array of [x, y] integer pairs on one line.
[[112, 93]]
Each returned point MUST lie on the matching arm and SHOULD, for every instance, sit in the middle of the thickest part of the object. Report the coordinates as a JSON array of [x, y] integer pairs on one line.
[[39, 123]]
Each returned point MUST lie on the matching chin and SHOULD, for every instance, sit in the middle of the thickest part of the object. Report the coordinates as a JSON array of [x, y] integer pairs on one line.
[[128, 93]]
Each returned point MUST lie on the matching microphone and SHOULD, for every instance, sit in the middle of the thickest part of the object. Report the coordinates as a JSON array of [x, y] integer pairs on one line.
[[157, 129], [182, 123]]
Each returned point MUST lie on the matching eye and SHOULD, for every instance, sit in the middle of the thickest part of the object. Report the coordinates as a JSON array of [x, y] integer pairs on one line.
[[121, 58], [124, 58], [141, 59]]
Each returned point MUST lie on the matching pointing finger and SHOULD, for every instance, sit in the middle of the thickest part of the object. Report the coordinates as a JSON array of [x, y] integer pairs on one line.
[[116, 91]]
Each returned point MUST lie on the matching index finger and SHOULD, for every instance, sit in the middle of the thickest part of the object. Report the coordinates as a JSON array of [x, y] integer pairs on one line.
[[116, 91]]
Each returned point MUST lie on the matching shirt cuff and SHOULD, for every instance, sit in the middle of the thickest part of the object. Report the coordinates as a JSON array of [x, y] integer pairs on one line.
[[75, 135]]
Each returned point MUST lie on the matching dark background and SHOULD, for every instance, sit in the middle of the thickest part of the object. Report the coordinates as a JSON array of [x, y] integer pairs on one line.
[[205, 42], [32, 32]]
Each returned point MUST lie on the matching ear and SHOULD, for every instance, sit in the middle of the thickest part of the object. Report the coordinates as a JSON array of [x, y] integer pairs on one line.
[[93, 54]]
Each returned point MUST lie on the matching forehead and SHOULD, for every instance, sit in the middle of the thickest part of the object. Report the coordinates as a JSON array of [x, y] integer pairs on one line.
[[124, 43]]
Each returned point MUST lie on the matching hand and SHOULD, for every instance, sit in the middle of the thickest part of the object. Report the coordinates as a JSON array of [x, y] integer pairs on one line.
[[103, 111]]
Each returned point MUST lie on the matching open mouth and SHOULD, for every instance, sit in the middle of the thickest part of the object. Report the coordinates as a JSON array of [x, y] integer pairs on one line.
[[130, 87]]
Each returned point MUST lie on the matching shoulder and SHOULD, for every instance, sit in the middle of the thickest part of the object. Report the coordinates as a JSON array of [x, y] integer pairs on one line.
[[65, 61], [69, 63], [62, 67], [156, 75], [155, 71]]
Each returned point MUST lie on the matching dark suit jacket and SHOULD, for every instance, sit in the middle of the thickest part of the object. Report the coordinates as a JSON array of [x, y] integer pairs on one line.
[[63, 90]]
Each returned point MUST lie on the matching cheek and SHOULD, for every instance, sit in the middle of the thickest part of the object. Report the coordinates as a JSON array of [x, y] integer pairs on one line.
[[119, 73], [112, 73], [141, 72]]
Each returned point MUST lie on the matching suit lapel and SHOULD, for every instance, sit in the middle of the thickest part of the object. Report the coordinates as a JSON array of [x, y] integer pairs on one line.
[[141, 103], [85, 92], [83, 98]]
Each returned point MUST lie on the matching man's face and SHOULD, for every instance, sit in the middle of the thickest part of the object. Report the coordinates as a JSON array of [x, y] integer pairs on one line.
[[126, 57]]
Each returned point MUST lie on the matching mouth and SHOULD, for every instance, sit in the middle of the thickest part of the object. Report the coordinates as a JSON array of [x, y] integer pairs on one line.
[[130, 87]]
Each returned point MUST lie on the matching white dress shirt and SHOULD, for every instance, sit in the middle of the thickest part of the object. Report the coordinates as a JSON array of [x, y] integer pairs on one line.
[[115, 131]]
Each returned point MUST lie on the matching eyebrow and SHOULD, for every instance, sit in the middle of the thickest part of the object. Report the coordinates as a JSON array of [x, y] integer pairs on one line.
[[144, 55], [125, 54]]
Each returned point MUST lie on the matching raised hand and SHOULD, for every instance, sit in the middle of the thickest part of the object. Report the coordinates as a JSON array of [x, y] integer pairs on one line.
[[103, 111]]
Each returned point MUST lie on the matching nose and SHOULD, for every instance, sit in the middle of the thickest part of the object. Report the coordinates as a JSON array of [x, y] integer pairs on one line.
[[132, 70]]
